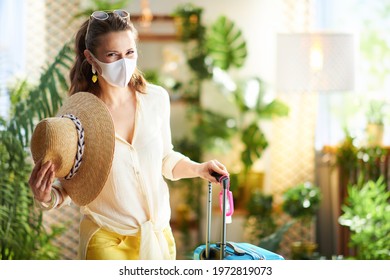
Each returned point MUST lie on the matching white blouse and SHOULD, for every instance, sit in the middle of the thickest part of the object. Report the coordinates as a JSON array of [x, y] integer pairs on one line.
[[136, 197]]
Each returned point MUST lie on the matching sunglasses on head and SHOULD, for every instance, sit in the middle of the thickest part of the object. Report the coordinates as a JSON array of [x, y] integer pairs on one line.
[[103, 15]]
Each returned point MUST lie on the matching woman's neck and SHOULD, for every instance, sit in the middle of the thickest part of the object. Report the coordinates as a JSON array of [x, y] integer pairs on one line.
[[114, 96]]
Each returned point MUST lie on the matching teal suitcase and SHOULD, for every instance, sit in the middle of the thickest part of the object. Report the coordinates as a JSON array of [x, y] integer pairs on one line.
[[236, 251], [228, 250]]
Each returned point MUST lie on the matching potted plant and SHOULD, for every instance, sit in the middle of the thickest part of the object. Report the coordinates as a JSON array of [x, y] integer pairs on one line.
[[260, 223], [302, 203], [375, 127], [259, 219], [366, 212], [187, 18]]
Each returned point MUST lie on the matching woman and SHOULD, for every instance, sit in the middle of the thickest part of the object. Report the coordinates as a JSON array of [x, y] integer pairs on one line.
[[129, 218]]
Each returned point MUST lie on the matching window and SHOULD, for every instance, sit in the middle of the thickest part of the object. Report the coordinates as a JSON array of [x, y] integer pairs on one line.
[[350, 110], [12, 15]]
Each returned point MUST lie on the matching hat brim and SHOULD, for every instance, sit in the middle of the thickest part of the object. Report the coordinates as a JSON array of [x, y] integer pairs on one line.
[[99, 133]]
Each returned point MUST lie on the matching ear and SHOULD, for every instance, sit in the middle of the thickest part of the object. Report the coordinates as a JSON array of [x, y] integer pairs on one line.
[[88, 56], [92, 61]]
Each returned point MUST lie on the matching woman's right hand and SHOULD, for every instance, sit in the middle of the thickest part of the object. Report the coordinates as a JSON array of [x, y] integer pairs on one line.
[[40, 181]]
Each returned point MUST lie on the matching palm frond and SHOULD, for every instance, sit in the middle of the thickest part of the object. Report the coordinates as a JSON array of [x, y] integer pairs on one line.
[[44, 99]]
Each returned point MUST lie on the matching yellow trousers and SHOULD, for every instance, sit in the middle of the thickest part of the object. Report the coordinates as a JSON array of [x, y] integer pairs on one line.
[[107, 245]]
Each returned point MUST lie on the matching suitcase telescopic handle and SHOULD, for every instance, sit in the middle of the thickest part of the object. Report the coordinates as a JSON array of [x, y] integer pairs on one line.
[[208, 233], [224, 180]]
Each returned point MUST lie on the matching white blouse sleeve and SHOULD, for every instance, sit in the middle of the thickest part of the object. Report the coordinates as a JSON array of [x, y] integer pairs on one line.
[[170, 157]]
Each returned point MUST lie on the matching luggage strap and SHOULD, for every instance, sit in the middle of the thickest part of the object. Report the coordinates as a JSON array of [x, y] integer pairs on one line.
[[237, 251]]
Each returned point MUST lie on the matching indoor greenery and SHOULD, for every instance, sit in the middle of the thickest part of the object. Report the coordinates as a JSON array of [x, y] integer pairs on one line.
[[358, 166], [209, 126], [22, 233], [188, 19], [366, 212], [251, 113], [260, 213], [302, 202], [355, 161], [260, 222], [225, 44], [219, 48]]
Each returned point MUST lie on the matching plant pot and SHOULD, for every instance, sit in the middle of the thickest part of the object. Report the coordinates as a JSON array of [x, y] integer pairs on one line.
[[374, 134], [303, 250]]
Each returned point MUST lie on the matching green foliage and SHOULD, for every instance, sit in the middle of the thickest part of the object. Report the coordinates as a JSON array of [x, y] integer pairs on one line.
[[188, 18], [261, 223], [346, 154], [366, 212], [222, 46], [22, 233], [250, 114], [214, 126], [226, 44], [368, 161], [259, 217], [219, 48], [255, 143], [199, 65], [302, 201], [376, 112], [209, 127], [42, 100], [152, 76], [364, 161], [260, 204]]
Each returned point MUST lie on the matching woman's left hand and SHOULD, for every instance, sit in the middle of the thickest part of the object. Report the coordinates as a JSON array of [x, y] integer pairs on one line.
[[206, 168]]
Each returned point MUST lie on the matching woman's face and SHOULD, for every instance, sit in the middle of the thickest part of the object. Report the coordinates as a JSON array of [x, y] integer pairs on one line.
[[116, 45]]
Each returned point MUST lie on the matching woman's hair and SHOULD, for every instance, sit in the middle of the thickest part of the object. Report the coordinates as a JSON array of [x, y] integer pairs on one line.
[[81, 72]]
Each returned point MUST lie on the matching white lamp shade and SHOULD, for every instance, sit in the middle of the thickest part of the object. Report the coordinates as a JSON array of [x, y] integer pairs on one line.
[[315, 62]]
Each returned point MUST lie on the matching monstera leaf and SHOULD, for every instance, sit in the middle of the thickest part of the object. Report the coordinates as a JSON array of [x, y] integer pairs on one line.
[[225, 44], [255, 143]]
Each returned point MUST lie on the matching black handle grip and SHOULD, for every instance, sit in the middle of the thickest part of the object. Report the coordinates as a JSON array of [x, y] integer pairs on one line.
[[224, 179], [216, 175]]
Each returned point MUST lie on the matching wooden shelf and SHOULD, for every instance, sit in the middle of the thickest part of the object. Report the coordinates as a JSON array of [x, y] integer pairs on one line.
[[161, 28]]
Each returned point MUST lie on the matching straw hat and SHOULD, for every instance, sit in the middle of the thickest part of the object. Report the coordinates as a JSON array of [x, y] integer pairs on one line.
[[80, 142]]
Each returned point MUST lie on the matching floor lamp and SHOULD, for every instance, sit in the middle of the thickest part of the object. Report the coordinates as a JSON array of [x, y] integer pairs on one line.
[[320, 63]]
